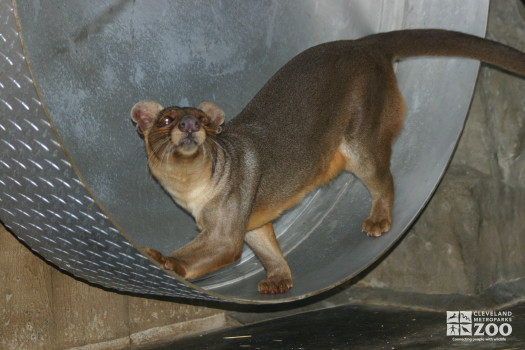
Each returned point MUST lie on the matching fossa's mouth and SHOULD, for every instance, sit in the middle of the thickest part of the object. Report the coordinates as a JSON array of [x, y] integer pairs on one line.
[[187, 143], [180, 138], [188, 140]]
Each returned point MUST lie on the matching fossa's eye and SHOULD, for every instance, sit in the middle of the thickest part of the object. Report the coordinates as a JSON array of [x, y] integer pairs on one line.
[[204, 120], [165, 121]]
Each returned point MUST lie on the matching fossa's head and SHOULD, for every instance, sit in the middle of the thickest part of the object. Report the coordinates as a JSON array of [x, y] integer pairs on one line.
[[176, 131]]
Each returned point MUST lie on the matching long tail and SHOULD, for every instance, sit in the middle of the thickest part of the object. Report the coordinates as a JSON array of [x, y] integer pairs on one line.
[[437, 42]]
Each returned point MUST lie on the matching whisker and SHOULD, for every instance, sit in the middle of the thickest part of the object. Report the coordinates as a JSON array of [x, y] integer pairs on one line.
[[216, 143], [166, 152], [213, 154], [207, 151], [158, 151]]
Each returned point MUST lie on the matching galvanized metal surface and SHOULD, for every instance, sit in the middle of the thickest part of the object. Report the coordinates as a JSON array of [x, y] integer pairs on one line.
[[74, 184]]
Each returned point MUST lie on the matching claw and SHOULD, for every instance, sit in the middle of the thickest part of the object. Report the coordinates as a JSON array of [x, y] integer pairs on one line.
[[168, 263], [275, 286], [374, 228]]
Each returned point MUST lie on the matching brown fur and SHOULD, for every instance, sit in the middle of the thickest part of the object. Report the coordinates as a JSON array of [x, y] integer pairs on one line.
[[333, 107], [263, 215]]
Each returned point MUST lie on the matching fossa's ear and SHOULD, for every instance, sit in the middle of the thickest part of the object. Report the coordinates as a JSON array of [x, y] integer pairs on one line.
[[215, 113], [144, 113]]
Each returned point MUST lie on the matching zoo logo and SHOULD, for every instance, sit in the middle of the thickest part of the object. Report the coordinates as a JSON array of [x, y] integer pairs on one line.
[[478, 324]]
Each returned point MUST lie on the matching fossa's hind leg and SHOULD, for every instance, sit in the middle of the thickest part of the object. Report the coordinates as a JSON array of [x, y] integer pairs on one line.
[[378, 180], [368, 150], [374, 171]]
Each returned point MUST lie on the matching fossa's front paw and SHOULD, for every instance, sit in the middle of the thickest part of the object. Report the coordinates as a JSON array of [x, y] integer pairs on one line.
[[275, 285], [167, 262], [154, 254], [376, 227]]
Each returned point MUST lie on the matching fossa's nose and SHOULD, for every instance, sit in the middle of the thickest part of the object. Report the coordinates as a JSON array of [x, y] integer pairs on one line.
[[189, 124]]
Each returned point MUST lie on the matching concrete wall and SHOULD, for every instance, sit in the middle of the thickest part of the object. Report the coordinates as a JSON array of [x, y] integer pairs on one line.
[[42, 308]]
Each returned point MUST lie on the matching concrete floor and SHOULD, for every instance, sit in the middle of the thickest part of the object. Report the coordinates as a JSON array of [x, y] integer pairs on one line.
[[358, 327]]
